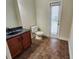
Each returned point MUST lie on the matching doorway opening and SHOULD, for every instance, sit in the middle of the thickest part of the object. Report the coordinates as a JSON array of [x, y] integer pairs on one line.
[[55, 19]]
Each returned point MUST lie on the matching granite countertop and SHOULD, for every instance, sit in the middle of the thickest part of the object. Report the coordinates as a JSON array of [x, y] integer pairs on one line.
[[24, 30]]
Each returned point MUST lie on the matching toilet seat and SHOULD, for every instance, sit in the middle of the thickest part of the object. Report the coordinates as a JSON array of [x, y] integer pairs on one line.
[[39, 35]]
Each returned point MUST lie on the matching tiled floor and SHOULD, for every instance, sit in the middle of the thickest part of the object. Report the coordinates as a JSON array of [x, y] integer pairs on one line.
[[46, 49]]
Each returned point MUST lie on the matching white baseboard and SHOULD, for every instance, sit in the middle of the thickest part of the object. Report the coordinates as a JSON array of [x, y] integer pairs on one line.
[[62, 38]]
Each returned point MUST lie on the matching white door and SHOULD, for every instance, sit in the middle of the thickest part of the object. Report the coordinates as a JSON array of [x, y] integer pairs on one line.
[[55, 18]]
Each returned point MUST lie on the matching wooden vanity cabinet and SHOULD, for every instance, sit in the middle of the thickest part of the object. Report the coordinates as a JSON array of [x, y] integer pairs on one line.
[[26, 39], [19, 43], [15, 46]]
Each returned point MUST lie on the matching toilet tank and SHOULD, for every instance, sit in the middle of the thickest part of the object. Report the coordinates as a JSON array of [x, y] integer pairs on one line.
[[34, 29]]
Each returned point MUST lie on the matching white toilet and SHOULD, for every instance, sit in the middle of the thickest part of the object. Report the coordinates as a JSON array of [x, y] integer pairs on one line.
[[38, 34]]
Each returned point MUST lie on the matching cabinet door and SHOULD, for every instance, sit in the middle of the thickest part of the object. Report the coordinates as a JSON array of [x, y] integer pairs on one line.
[[15, 45], [26, 39]]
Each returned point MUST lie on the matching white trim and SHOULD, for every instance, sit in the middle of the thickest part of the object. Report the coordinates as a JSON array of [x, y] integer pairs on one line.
[[8, 54], [63, 38], [60, 15]]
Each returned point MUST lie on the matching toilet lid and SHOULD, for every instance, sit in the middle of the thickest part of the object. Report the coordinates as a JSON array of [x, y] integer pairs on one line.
[[39, 32]]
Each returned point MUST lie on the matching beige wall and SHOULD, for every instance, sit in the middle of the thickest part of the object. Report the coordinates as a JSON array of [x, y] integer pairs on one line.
[[11, 19], [38, 12], [17, 12], [66, 19], [27, 12], [43, 17]]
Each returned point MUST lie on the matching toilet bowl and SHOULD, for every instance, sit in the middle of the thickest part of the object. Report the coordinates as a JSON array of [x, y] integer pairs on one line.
[[38, 34]]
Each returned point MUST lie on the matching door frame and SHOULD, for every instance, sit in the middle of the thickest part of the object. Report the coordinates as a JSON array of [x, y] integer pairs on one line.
[[60, 16]]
